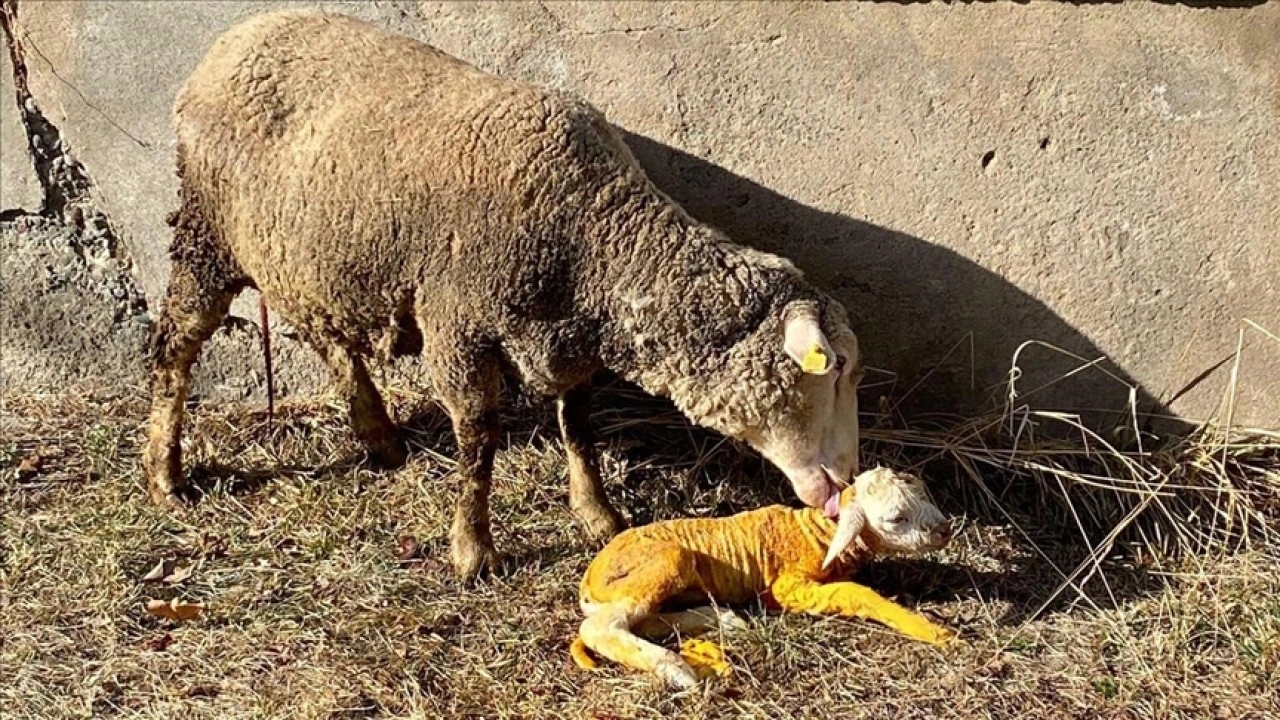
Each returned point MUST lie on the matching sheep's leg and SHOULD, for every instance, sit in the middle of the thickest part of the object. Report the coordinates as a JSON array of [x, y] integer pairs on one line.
[[198, 300], [691, 622], [608, 634], [848, 599], [667, 571], [365, 408], [587, 498], [468, 386]]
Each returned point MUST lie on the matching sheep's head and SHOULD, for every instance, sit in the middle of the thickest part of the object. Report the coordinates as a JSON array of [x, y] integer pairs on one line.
[[813, 436], [892, 513]]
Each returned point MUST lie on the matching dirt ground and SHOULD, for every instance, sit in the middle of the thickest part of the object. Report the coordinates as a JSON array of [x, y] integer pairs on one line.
[[296, 548]]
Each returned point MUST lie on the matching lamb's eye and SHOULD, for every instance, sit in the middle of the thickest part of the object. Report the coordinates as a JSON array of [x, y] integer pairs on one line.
[[898, 519]]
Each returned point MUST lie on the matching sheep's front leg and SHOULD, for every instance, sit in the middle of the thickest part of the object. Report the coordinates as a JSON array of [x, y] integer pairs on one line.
[[470, 393], [799, 594], [587, 498]]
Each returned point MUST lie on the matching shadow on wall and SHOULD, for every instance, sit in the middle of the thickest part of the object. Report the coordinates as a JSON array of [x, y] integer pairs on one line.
[[939, 331]]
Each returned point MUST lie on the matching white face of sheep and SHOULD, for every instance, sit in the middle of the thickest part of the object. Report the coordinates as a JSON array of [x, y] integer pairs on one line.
[[892, 512], [814, 439]]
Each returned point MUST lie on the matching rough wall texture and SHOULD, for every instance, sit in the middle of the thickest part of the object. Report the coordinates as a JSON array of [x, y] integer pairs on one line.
[[1102, 178]]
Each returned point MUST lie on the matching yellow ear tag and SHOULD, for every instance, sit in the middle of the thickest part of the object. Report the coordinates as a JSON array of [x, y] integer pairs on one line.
[[815, 361]]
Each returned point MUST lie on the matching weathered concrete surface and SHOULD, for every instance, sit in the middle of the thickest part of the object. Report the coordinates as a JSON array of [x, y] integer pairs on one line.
[[1102, 178]]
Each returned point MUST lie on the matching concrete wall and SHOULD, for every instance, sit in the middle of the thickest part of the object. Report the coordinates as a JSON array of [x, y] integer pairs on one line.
[[1103, 178]]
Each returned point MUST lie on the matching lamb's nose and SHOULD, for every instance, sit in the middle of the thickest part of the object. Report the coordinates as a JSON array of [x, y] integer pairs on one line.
[[945, 530]]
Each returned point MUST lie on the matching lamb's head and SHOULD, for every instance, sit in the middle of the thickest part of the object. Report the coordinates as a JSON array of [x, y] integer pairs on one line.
[[892, 513], [812, 434]]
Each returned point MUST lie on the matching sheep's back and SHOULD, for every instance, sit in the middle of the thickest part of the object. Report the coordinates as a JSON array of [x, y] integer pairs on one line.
[[332, 151]]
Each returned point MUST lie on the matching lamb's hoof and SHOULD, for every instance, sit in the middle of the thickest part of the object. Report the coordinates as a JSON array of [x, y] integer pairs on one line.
[[944, 636], [730, 621], [705, 657], [677, 674], [600, 520], [388, 453], [473, 559]]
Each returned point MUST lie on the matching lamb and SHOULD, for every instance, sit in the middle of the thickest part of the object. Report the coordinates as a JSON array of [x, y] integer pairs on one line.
[[638, 584], [388, 199]]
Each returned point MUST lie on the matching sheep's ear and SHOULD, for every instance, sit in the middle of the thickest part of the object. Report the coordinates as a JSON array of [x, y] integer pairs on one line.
[[847, 530], [805, 343]]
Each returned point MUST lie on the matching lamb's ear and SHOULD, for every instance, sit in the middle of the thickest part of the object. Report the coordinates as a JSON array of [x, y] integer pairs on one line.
[[847, 530], [806, 344]]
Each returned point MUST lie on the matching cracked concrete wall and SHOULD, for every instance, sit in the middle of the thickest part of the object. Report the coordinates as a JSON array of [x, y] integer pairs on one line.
[[1101, 178]]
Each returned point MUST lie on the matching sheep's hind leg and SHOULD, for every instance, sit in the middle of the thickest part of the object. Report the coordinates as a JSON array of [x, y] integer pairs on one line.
[[587, 498], [691, 622], [201, 288], [705, 657], [365, 408], [667, 571]]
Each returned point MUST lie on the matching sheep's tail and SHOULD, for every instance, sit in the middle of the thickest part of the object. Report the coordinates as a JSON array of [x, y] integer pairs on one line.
[[581, 656], [266, 355]]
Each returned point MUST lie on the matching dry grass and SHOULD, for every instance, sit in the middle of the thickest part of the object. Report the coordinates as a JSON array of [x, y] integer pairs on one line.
[[1084, 587]]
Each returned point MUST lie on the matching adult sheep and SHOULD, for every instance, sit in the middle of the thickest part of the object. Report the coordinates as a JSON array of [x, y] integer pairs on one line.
[[388, 199]]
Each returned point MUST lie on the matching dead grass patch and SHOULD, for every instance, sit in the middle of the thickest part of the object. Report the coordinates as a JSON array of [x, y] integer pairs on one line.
[[1096, 577]]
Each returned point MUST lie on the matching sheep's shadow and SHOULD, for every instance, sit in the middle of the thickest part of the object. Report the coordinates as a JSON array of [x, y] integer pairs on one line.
[[942, 329], [213, 476]]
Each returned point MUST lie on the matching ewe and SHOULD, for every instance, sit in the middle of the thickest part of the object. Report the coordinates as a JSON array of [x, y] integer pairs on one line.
[[388, 199]]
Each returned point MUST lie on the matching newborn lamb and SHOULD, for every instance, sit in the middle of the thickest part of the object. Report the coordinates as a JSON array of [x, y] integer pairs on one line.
[[643, 582]]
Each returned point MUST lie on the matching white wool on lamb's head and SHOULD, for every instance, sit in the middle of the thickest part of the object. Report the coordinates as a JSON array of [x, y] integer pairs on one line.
[[892, 512]]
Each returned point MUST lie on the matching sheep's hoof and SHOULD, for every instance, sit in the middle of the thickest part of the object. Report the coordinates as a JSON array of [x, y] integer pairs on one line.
[[677, 673], [388, 454], [945, 636], [472, 559], [705, 657], [173, 498], [164, 479], [600, 520], [730, 621]]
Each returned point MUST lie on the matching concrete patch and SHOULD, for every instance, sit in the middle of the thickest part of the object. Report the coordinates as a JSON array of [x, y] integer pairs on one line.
[[968, 179]]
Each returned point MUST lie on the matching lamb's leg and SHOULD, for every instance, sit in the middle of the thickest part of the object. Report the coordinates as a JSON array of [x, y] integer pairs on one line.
[[667, 571], [587, 498], [608, 633], [198, 300], [691, 622], [848, 599], [468, 385], [365, 408]]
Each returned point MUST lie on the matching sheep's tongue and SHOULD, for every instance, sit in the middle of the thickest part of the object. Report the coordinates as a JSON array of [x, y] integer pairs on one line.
[[832, 507]]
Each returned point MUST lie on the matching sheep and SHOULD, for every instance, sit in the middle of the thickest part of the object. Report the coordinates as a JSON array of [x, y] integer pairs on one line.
[[634, 588], [388, 199]]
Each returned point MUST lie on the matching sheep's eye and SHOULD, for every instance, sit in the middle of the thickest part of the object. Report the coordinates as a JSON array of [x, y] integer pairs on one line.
[[898, 519]]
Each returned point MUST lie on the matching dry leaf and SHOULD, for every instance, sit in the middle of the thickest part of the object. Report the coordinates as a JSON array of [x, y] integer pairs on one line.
[[158, 643], [168, 572], [160, 571], [410, 551], [212, 546], [175, 609], [30, 467]]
